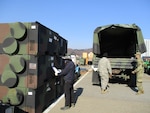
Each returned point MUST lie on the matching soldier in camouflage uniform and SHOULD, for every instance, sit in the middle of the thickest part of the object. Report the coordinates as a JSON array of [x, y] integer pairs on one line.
[[105, 71], [139, 71]]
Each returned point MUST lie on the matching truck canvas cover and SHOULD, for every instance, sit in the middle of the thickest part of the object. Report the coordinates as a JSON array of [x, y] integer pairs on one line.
[[118, 40]]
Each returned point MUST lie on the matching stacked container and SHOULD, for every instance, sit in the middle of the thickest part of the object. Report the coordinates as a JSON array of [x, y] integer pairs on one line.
[[28, 51]]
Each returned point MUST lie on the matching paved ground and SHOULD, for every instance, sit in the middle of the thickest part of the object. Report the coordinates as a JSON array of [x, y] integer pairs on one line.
[[120, 99]]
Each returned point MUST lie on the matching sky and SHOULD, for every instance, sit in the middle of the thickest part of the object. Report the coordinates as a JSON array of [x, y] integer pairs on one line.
[[76, 20]]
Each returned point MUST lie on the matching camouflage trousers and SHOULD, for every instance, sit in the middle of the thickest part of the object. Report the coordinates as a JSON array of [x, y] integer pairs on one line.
[[104, 81], [139, 86], [139, 81]]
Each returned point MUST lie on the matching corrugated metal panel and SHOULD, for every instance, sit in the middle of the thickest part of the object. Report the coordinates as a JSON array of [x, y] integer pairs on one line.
[[147, 43]]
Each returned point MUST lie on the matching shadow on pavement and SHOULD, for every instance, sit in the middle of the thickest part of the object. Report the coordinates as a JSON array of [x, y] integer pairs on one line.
[[77, 93]]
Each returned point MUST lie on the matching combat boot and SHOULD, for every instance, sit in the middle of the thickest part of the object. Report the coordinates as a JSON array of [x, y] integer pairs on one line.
[[104, 91], [72, 104], [140, 92], [65, 108], [143, 92]]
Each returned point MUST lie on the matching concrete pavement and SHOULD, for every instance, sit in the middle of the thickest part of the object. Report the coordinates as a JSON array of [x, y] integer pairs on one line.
[[120, 98]]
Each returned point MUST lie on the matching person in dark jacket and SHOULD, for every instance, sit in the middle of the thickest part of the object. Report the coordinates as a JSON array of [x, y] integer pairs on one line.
[[69, 76]]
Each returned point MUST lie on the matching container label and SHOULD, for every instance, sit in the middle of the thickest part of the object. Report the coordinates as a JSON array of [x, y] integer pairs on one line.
[[30, 93], [32, 66], [33, 27], [50, 40]]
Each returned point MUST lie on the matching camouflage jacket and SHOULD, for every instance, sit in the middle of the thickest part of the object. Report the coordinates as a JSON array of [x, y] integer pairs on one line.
[[104, 66], [139, 70], [140, 66]]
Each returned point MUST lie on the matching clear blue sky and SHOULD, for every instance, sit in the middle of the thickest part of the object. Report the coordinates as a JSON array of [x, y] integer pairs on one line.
[[75, 20]]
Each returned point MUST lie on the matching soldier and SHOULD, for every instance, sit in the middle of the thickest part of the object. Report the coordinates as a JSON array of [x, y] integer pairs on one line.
[[69, 76], [139, 71], [105, 71]]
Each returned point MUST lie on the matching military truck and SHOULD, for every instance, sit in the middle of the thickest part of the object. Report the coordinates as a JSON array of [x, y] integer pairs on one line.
[[121, 42]]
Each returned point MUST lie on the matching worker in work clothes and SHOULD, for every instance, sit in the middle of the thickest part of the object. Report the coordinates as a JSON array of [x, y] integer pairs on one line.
[[105, 71], [69, 77], [139, 71]]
